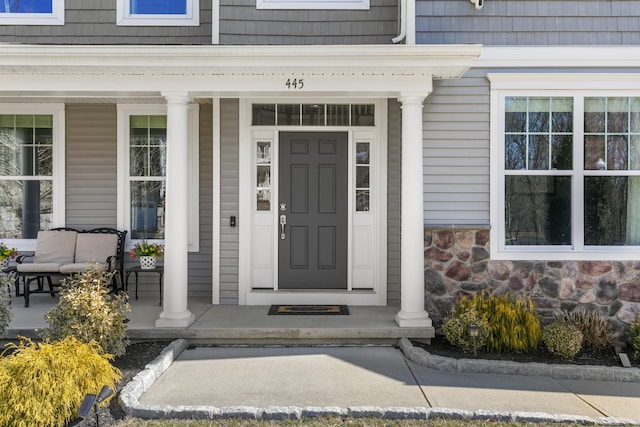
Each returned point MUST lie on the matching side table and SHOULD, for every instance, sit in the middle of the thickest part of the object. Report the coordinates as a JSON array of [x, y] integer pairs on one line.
[[158, 269]]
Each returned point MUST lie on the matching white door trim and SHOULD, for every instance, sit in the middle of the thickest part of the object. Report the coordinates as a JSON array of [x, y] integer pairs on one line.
[[376, 249]]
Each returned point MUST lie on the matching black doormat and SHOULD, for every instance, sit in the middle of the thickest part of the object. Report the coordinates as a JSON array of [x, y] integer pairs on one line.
[[309, 309]]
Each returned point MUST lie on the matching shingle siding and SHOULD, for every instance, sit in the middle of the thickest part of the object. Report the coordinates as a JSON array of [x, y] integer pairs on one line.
[[518, 22], [242, 23]]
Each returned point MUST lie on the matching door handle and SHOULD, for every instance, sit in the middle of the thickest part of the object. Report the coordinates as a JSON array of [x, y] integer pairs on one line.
[[283, 223]]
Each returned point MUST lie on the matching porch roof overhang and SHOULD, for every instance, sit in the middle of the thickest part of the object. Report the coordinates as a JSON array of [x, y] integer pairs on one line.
[[82, 72]]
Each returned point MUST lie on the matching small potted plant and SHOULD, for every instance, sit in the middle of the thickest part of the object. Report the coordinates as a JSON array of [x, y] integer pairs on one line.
[[6, 253], [147, 252]]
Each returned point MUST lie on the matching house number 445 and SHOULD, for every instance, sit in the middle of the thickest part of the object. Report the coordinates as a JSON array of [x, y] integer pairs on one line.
[[294, 84]]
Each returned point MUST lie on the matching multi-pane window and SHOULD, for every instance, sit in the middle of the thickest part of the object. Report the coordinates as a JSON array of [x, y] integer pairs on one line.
[[26, 175], [313, 115], [571, 172], [147, 163], [312, 4], [32, 12], [263, 175], [158, 12]]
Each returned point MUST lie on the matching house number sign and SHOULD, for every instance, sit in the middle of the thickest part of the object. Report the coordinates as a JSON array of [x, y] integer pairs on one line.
[[294, 84]]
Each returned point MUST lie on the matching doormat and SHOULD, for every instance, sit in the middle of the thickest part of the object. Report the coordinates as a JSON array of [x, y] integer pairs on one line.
[[309, 309]]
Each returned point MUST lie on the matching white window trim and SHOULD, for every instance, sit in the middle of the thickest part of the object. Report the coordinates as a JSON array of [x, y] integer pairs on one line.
[[124, 196], [314, 4], [577, 86], [58, 177], [56, 17], [190, 19]]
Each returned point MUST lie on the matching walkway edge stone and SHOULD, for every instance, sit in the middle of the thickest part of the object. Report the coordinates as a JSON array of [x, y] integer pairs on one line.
[[129, 399], [504, 367]]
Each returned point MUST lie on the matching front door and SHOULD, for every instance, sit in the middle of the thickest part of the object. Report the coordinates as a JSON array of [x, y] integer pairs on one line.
[[312, 210]]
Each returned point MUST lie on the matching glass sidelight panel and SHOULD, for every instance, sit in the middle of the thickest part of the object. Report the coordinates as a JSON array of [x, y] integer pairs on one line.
[[263, 175], [363, 168]]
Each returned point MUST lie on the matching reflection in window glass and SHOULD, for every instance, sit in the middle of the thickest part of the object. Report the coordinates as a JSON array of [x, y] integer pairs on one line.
[[362, 176], [26, 6], [612, 210], [288, 115], [263, 114], [26, 150], [363, 115], [338, 115], [313, 114], [158, 7], [538, 133], [263, 176], [537, 210], [147, 209]]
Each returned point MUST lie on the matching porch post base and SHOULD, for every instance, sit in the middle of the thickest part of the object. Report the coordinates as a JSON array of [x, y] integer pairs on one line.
[[413, 320], [175, 320]]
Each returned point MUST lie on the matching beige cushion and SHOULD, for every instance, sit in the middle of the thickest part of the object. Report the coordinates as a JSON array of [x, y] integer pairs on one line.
[[40, 267], [80, 267], [55, 247], [95, 247]]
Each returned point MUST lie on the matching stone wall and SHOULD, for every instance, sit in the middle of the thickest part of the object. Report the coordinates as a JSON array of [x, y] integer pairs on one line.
[[457, 263]]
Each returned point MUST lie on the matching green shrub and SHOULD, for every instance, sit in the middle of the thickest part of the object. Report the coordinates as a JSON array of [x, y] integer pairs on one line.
[[634, 337], [512, 322], [5, 299], [597, 332], [44, 384], [456, 329], [562, 338], [87, 311]]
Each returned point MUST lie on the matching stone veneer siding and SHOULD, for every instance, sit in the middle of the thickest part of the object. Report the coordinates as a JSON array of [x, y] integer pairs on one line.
[[457, 263]]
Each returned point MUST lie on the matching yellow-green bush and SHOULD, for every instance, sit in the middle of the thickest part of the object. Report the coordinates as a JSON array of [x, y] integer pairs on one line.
[[5, 300], [89, 312], [562, 338], [44, 384], [634, 337], [456, 329], [512, 322]]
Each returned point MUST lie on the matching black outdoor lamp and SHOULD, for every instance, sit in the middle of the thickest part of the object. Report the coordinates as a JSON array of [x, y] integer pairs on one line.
[[474, 331], [93, 401]]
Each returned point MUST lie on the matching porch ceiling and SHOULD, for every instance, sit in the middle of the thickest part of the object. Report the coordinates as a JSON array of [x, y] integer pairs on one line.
[[145, 71]]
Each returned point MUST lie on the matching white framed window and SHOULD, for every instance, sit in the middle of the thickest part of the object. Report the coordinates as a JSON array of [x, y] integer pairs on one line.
[[142, 151], [313, 4], [158, 12], [31, 171], [32, 12], [565, 172]]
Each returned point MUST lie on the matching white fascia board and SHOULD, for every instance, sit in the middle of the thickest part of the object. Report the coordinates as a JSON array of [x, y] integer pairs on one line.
[[589, 82], [450, 61], [558, 57]]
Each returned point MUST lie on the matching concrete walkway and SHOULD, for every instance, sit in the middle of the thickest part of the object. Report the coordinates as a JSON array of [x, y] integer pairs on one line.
[[290, 382]]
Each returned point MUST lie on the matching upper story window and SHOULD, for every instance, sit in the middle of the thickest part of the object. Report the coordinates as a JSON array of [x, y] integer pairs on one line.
[[32, 12], [566, 175], [158, 12], [313, 4], [31, 170]]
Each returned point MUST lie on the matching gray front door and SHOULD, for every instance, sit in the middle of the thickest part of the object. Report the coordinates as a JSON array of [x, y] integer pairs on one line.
[[313, 192]]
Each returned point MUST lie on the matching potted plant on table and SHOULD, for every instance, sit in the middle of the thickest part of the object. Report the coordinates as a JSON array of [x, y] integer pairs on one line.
[[147, 252], [6, 253]]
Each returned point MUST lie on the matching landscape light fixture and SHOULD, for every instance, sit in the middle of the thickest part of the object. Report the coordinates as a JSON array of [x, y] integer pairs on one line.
[[93, 401], [474, 331]]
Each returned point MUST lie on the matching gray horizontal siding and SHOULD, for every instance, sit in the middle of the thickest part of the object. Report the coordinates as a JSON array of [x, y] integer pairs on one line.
[[91, 165], [229, 202], [394, 159], [242, 23], [94, 22], [456, 151], [518, 22]]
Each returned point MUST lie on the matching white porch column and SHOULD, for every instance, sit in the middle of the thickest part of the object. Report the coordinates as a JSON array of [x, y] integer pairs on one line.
[[412, 312], [175, 312]]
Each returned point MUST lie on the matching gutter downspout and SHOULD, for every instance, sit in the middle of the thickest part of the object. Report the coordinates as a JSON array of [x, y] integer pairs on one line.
[[403, 23]]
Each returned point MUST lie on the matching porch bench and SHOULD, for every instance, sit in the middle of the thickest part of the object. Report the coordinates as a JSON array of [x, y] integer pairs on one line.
[[65, 251]]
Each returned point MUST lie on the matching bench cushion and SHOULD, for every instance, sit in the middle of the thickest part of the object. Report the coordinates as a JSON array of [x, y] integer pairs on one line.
[[81, 267], [57, 247], [95, 247], [39, 267]]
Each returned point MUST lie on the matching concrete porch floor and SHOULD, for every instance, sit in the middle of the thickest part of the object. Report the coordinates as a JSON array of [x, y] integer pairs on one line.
[[232, 324]]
